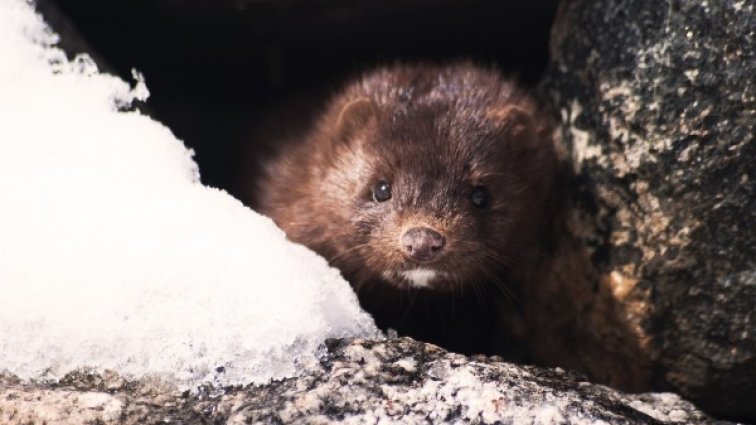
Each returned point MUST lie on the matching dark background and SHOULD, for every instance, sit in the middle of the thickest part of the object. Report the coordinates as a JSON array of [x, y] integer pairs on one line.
[[229, 75]]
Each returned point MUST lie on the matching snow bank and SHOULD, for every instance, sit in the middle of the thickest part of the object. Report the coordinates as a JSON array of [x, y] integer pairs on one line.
[[113, 255]]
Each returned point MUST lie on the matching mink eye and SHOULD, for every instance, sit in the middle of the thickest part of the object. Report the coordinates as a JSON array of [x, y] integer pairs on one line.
[[480, 197], [382, 191]]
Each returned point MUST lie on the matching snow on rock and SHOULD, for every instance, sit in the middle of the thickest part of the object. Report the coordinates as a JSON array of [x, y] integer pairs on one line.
[[114, 256], [358, 381]]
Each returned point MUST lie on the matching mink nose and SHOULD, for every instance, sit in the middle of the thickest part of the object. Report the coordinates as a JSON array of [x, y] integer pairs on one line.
[[422, 244]]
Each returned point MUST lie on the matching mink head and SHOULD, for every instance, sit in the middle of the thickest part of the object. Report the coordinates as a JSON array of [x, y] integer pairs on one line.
[[429, 179]]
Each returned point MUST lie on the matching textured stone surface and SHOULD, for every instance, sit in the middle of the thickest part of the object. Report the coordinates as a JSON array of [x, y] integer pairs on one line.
[[396, 381], [659, 106]]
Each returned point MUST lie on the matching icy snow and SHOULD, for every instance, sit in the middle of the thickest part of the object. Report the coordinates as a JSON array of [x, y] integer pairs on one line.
[[114, 256]]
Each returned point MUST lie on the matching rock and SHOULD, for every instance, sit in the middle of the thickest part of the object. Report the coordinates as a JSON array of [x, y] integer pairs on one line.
[[658, 103], [359, 381]]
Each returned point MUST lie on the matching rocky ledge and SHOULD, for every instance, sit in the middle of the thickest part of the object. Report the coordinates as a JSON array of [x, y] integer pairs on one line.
[[358, 381]]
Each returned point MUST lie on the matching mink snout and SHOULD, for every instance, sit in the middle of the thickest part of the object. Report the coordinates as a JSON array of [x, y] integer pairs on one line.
[[422, 244]]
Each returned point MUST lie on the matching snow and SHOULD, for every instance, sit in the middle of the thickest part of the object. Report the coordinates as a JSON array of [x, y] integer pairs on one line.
[[114, 256]]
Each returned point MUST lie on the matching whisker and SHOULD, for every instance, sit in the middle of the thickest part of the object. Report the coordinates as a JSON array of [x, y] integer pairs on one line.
[[410, 306], [347, 251]]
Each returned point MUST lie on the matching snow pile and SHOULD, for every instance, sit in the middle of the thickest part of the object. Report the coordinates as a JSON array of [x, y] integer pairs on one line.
[[113, 255]]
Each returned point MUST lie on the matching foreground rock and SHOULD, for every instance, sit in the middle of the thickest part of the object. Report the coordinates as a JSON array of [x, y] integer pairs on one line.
[[658, 102], [358, 382]]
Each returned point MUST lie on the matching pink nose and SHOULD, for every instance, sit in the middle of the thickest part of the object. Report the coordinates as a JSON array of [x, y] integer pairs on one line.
[[422, 244]]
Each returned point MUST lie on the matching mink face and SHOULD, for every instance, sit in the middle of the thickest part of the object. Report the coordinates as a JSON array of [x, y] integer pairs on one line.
[[419, 178]]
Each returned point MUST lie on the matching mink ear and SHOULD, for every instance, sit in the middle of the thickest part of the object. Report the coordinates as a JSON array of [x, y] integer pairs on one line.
[[514, 121], [518, 126], [356, 115]]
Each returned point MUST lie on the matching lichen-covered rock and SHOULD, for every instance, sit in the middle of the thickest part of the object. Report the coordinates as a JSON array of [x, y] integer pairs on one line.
[[360, 381], [658, 101]]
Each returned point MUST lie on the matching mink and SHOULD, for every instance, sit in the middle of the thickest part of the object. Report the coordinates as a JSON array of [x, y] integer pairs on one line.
[[428, 187]]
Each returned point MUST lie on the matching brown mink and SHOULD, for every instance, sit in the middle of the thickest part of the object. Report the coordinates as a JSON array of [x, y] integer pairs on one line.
[[428, 187]]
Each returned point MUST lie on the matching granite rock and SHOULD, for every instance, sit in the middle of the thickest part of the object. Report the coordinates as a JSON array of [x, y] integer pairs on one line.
[[358, 381], [658, 103]]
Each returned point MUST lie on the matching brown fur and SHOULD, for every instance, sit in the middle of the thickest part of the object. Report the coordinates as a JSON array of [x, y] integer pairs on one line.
[[434, 133]]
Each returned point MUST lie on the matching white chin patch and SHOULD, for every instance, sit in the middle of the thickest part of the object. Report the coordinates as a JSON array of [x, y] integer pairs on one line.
[[419, 278]]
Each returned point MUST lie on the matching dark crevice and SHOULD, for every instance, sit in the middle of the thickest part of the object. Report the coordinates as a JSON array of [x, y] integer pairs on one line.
[[226, 74]]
